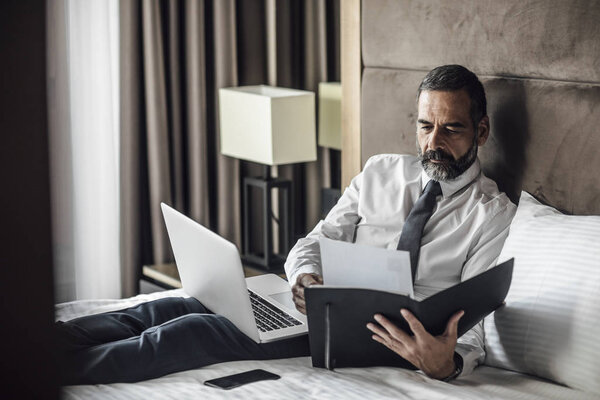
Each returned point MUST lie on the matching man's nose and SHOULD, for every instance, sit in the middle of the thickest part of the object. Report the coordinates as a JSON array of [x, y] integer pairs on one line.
[[436, 139]]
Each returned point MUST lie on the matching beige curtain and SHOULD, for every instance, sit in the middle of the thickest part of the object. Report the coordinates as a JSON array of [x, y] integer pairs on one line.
[[174, 56]]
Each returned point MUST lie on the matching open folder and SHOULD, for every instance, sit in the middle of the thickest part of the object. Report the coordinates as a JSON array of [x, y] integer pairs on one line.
[[337, 317]]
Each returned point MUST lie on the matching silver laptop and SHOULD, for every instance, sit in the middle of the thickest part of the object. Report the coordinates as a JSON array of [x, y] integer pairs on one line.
[[211, 271]]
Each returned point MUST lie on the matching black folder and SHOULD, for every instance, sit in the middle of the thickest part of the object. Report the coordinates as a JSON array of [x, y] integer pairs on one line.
[[337, 317]]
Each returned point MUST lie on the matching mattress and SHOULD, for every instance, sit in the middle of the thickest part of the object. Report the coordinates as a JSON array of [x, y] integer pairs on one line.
[[300, 380]]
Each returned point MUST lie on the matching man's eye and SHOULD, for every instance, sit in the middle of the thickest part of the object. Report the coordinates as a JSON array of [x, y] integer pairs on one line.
[[425, 128]]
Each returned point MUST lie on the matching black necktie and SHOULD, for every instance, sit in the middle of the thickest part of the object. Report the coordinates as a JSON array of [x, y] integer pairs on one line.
[[410, 238]]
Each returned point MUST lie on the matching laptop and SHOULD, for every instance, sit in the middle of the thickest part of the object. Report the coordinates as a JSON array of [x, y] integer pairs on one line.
[[211, 271]]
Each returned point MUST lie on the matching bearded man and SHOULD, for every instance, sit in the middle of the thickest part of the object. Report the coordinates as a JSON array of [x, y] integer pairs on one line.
[[440, 200]]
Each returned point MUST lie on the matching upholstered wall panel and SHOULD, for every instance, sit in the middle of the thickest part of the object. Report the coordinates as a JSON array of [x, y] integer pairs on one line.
[[557, 39], [544, 139], [389, 111]]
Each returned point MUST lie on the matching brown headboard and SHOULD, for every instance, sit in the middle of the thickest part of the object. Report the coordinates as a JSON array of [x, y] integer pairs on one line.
[[540, 65]]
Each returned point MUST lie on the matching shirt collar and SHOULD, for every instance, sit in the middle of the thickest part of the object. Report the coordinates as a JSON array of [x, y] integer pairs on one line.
[[452, 186]]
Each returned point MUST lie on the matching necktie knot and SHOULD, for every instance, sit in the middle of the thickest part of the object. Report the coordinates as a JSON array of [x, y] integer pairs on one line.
[[433, 188]]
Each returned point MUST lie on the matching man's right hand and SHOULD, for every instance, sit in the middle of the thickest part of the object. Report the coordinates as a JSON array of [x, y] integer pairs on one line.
[[304, 281]]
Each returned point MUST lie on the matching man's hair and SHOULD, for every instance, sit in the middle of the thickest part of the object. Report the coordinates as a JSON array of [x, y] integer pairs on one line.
[[456, 77]]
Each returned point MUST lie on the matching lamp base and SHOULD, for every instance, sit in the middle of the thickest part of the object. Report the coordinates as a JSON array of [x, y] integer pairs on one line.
[[267, 260]]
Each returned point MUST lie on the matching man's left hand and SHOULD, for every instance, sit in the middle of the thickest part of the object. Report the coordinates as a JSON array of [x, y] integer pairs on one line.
[[433, 355]]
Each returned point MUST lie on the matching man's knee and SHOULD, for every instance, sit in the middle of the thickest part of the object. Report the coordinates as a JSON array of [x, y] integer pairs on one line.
[[181, 305]]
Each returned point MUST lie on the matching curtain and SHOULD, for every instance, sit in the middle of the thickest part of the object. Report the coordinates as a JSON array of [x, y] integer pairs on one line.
[[83, 99], [174, 56]]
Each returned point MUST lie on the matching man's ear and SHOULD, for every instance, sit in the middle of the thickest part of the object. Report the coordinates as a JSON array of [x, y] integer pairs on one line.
[[483, 130]]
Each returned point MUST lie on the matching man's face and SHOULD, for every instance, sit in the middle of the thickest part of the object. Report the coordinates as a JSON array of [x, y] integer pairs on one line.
[[446, 139]]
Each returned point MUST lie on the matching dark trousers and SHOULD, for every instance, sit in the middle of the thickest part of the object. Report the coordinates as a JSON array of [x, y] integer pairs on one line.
[[158, 338]]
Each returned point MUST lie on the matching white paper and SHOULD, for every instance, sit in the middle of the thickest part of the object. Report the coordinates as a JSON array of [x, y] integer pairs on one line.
[[359, 266]]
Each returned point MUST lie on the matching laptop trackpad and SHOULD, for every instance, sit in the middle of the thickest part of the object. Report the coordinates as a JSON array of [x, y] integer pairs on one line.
[[284, 298]]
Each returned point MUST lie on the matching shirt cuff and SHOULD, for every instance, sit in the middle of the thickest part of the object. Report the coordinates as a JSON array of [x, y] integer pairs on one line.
[[471, 356]]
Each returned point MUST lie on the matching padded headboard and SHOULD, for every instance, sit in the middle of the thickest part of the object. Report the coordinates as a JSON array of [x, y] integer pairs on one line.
[[540, 65]]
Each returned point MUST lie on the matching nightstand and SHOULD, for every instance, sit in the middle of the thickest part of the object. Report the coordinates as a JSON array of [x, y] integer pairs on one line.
[[159, 277]]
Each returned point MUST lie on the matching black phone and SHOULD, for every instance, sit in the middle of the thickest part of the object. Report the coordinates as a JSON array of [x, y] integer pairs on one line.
[[232, 381]]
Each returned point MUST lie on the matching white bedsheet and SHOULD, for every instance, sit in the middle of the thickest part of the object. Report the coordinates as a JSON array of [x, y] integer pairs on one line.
[[300, 380]]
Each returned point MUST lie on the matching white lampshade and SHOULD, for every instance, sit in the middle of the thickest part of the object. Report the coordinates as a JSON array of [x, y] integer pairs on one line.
[[330, 115], [268, 125]]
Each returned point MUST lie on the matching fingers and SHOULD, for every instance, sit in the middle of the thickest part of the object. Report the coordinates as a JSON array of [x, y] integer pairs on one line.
[[303, 281], [377, 330], [307, 280], [392, 329], [298, 291], [391, 344], [415, 325], [300, 305], [452, 326], [298, 297], [379, 339], [382, 336]]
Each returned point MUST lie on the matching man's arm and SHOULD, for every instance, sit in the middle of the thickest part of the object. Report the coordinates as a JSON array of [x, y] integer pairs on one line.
[[482, 256], [340, 224], [303, 264], [434, 355]]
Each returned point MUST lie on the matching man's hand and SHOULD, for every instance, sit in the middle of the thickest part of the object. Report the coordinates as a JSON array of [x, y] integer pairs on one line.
[[304, 281], [433, 355]]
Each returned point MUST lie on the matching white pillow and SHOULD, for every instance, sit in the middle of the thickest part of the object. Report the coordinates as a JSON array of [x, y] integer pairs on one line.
[[550, 326]]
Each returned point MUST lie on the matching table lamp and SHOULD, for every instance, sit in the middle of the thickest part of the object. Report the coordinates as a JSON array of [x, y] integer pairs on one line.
[[330, 136], [270, 126]]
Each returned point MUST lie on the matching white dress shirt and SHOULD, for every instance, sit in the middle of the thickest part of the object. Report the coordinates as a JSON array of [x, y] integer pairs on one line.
[[463, 237]]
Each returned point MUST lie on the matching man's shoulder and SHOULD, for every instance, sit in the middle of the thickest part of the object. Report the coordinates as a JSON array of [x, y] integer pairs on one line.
[[393, 161], [491, 198], [388, 168]]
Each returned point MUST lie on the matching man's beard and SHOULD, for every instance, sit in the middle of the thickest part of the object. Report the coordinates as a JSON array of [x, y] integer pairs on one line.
[[449, 170]]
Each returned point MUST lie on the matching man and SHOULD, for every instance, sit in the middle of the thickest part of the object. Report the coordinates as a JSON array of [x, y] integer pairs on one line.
[[462, 237]]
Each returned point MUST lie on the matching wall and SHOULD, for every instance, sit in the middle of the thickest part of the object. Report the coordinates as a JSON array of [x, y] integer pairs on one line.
[[540, 64]]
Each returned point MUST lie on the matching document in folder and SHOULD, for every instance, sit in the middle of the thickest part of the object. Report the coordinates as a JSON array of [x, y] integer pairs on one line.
[[337, 317], [358, 266]]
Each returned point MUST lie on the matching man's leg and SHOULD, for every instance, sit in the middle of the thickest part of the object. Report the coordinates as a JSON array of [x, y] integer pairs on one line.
[[92, 330], [187, 342]]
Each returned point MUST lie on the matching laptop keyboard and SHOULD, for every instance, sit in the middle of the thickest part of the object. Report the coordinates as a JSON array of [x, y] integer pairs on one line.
[[268, 317]]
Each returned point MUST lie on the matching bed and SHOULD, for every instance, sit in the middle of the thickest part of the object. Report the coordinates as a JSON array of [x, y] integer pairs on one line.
[[540, 65], [299, 379]]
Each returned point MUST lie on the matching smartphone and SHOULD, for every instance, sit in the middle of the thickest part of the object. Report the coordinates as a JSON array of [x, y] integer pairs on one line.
[[233, 381]]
